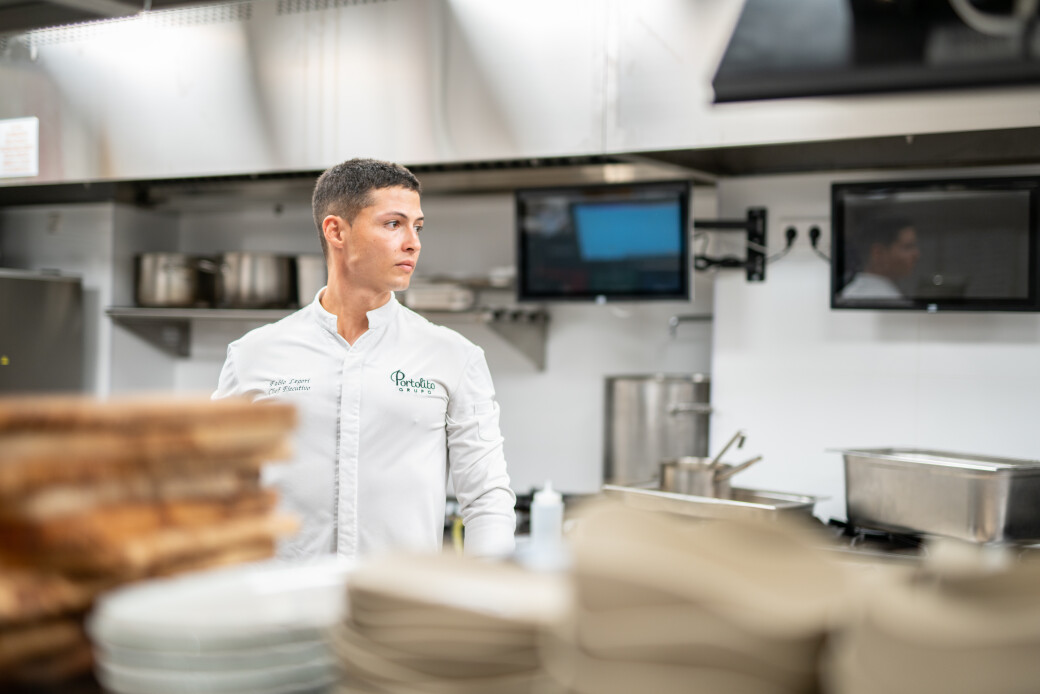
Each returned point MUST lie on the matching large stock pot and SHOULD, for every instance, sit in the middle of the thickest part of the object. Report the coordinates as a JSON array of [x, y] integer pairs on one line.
[[651, 418]]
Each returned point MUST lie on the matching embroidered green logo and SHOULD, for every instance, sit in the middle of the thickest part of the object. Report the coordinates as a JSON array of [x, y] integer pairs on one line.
[[412, 385]]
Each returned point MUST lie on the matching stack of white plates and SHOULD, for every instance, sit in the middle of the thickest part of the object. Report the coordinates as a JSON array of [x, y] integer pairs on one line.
[[258, 628], [666, 605], [423, 296], [446, 625]]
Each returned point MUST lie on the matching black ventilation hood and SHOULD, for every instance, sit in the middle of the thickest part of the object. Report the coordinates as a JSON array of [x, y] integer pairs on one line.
[[794, 48]]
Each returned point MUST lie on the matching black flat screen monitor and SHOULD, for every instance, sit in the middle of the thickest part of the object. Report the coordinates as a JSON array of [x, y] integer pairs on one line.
[[604, 242], [958, 244]]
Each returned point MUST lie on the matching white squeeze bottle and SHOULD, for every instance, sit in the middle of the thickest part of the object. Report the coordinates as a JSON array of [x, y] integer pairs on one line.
[[546, 518]]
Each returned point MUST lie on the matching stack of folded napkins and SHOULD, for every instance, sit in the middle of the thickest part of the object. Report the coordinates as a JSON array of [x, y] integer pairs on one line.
[[958, 628], [664, 604], [447, 625], [97, 493]]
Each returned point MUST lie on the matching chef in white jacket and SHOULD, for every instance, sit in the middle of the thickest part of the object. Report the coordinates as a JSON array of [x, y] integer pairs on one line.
[[389, 404], [887, 249]]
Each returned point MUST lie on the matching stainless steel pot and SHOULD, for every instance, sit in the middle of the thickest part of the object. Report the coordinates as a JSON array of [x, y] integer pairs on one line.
[[701, 476], [652, 418], [311, 275], [167, 280], [695, 476], [253, 280]]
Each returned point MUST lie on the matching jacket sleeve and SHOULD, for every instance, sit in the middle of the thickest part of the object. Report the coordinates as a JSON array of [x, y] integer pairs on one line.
[[227, 384], [477, 463]]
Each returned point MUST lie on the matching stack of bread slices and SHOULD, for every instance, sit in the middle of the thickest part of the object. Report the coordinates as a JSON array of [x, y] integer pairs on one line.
[[97, 493]]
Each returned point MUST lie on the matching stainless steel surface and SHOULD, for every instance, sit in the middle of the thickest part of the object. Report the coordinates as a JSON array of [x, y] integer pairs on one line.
[[223, 195], [696, 407], [25, 15], [311, 276], [272, 85], [970, 497], [166, 280], [745, 503], [650, 418], [41, 333], [126, 313], [170, 329], [253, 280], [268, 87], [695, 476], [650, 47]]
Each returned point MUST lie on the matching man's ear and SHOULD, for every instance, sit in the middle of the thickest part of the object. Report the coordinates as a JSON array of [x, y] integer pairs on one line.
[[335, 229]]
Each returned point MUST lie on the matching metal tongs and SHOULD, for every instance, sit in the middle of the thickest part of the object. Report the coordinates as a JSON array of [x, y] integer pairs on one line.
[[726, 474], [740, 436], [722, 475]]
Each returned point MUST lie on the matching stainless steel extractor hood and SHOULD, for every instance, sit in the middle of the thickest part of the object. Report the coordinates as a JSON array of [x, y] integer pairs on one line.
[[800, 48], [27, 15]]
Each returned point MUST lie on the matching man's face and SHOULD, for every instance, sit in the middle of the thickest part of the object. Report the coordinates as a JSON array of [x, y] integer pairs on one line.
[[898, 259], [382, 245], [904, 253]]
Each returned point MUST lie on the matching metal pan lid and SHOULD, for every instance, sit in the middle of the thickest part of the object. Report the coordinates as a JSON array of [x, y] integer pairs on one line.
[[663, 377], [920, 456]]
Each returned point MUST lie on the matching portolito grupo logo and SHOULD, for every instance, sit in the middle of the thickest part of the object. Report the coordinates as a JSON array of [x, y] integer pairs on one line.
[[412, 385]]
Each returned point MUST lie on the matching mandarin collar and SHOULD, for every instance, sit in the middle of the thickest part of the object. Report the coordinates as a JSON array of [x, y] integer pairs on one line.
[[380, 317], [377, 318]]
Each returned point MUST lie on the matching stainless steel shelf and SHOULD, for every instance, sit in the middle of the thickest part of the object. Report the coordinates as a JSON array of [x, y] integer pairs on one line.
[[169, 329], [248, 314]]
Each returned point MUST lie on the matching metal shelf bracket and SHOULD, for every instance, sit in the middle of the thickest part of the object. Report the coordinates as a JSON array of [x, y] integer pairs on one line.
[[526, 330], [755, 229]]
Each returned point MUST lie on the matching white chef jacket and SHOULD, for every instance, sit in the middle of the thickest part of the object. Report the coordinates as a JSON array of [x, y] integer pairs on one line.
[[381, 422], [865, 285]]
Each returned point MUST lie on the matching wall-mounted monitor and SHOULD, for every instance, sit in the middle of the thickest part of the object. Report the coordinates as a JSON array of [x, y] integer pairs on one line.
[[604, 242], [955, 244]]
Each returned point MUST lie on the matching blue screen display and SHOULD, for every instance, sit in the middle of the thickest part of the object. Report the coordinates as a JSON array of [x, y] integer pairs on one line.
[[616, 241], [619, 230]]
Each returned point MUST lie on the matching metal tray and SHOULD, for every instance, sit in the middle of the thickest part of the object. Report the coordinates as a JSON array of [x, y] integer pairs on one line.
[[746, 503], [976, 498]]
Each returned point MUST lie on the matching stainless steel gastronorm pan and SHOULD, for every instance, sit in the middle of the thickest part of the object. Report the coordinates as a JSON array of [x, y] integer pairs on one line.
[[745, 503], [971, 497]]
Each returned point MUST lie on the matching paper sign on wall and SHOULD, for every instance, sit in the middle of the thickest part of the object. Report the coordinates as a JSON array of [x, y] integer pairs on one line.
[[19, 147]]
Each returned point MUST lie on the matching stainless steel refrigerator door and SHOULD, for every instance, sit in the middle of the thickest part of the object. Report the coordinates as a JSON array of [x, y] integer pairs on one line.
[[41, 333]]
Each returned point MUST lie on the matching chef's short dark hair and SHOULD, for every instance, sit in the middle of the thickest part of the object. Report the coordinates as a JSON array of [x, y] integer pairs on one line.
[[344, 189]]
